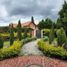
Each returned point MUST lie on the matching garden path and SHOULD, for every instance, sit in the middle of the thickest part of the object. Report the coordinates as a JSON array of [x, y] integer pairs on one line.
[[31, 48]]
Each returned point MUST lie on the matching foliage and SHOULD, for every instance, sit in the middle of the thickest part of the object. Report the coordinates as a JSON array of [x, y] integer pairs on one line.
[[63, 15], [32, 19], [1, 41], [4, 29], [27, 32], [50, 50], [28, 40], [51, 35], [61, 37], [45, 38], [19, 30], [58, 24], [46, 32], [11, 51], [45, 24], [11, 34]]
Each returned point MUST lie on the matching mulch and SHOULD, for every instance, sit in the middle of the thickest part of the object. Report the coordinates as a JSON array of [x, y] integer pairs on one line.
[[26, 60]]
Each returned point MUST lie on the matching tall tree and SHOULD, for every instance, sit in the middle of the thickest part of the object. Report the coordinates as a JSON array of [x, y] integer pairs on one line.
[[32, 19], [47, 23], [11, 34], [59, 24], [63, 15], [19, 31], [41, 24]]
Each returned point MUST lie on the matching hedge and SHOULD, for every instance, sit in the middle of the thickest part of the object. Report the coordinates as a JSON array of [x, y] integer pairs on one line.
[[28, 40], [12, 51], [52, 51]]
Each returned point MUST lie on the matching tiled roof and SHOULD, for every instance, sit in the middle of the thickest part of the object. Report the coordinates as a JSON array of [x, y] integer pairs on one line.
[[23, 24], [26, 23]]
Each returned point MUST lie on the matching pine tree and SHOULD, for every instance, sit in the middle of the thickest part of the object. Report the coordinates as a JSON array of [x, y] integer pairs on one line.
[[32, 19], [19, 31], [45, 24], [11, 34], [63, 15]]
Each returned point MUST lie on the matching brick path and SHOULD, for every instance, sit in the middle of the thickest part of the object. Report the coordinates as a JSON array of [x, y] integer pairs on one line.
[[24, 60]]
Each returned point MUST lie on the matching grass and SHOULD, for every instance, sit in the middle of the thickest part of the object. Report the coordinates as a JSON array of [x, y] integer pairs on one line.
[[6, 44]]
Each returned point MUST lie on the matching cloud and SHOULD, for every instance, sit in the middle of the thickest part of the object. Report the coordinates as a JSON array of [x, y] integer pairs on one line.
[[12, 10], [3, 12]]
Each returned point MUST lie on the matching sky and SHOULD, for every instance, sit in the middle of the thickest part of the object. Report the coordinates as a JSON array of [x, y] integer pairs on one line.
[[13, 10]]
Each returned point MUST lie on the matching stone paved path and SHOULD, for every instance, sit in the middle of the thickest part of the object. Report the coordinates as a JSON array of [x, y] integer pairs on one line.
[[25, 60], [31, 48]]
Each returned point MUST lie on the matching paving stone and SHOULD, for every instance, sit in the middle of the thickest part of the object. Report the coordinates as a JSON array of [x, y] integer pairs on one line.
[[25, 60], [31, 48]]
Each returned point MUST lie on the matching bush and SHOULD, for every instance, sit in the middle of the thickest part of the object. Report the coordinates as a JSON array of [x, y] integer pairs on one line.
[[45, 38], [52, 51], [11, 34], [28, 40], [61, 37], [51, 35], [46, 32], [1, 42], [11, 51]]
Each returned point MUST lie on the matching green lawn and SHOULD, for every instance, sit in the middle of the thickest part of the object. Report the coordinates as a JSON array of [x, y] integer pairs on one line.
[[6, 44]]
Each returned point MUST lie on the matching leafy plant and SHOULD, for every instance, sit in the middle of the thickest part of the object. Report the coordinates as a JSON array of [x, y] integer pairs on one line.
[[1, 41], [12, 51], [50, 50], [28, 40], [46, 38], [51, 35], [61, 37], [11, 34]]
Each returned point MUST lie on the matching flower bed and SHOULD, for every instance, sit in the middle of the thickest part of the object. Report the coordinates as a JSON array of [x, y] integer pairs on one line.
[[52, 51]]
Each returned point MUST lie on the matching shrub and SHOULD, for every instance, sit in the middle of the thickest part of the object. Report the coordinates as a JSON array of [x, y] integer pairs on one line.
[[19, 31], [45, 38], [46, 32], [11, 34], [52, 51], [1, 42], [28, 40], [61, 37], [11, 51], [51, 35]]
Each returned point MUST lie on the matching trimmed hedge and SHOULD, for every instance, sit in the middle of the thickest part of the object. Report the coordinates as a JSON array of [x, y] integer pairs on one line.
[[46, 32], [12, 51], [28, 40], [46, 38], [50, 50]]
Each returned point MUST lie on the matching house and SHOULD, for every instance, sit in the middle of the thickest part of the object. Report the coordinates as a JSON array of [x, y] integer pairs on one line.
[[31, 25]]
